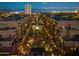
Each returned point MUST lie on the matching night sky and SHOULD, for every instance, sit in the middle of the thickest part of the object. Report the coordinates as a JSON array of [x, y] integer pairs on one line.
[[40, 5]]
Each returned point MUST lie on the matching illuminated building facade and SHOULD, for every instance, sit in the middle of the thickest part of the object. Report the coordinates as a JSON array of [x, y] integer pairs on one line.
[[28, 9], [77, 13]]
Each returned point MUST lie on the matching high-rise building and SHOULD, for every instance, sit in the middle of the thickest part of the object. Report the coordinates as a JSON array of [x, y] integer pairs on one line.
[[28, 9]]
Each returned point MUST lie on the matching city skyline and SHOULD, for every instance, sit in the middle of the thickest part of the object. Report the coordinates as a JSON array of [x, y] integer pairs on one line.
[[39, 28]]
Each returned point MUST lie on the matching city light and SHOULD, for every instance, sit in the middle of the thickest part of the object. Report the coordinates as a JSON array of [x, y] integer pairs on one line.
[[28, 45], [39, 33], [37, 27]]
